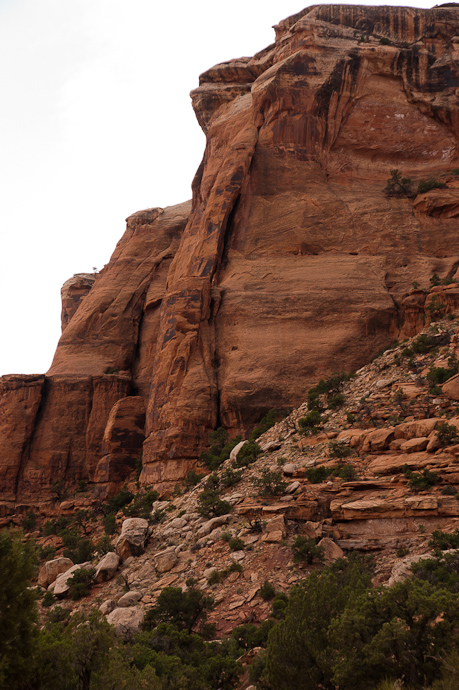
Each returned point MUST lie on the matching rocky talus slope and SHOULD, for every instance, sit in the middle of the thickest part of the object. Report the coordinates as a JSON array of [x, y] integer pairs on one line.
[[289, 257], [386, 465]]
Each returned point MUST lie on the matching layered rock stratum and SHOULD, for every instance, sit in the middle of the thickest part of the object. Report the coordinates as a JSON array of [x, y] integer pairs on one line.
[[289, 263]]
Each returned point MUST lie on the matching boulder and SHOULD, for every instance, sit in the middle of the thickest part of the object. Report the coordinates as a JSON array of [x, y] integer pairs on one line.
[[210, 525], [107, 567], [126, 620], [50, 571], [129, 599], [107, 606], [236, 449], [60, 587], [331, 550], [165, 560], [414, 445], [133, 537]]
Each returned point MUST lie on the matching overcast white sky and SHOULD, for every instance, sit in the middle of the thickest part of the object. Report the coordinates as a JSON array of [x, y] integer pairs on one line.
[[95, 124]]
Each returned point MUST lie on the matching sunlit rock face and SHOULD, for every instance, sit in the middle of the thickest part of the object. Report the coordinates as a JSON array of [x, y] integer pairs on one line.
[[290, 262]]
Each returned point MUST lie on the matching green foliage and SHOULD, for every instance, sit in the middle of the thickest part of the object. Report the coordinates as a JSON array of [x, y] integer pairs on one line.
[[30, 520], [298, 652], [447, 434], [438, 375], [270, 483], [56, 526], [80, 583], [220, 448], [420, 345], [192, 478], [248, 636], [46, 553], [430, 183], [265, 423], [220, 575], [104, 545], [397, 185], [350, 418], [18, 613], [339, 449], [236, 544], [267, 591], [82, 486], [306, 550], [210, 503], [111, 370], [435, 307], [229, 477], [48, 599], [121, 499], [311, 422], [335, 401], [317, 475], [420, 481], [384, 41], [247, 454], [79, 549], [444, 540], [448, 490], [58, 490], [141, 505], [279, 606], [184, 610], [109, 523]]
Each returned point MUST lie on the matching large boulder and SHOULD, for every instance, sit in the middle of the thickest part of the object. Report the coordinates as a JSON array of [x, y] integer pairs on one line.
[[50, 571], [126, 620], [60, 587], [107, 567], [133, 537]]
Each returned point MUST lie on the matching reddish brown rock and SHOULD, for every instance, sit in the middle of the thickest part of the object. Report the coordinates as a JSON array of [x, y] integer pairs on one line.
[[72, 292], [20, 398], [290, 257]]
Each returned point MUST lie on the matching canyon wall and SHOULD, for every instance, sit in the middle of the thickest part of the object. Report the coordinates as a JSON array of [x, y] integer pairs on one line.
[[290, 262]]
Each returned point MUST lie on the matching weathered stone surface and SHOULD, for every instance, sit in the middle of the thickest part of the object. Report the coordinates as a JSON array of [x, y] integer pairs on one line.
[[289, 256], [127, 621], [107, 607], [60, 586], [414, 445], [331, 550], [131, 542], [451, 388], [50, 571], [107, 567], [72, 292], [20, 398], [129, 599], [389, 464], [165, 560], [378, 440], [211, 524]]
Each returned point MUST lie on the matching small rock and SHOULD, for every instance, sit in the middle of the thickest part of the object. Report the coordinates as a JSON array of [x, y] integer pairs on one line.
[[129, 599], [107, 607], [291, 488], [210, 525], [289, 468]]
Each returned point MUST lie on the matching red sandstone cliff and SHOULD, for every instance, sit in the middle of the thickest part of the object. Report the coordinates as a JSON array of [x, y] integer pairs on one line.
[[290, 262]]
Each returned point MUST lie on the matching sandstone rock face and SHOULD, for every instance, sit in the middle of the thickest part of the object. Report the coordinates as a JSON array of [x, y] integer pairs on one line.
[[72, 292], [165, 560], [289, 258], [131, 541]]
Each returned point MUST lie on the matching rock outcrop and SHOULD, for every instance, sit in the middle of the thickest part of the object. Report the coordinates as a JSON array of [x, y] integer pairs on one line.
[[291, 260]]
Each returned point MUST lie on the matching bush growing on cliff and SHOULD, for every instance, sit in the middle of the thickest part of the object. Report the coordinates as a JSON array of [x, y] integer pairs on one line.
[[431, 183], [270, 483], [397, 185], [447, 434], [247, 454], [306, 550], [220, 449], [184, 610], [419, 481]]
